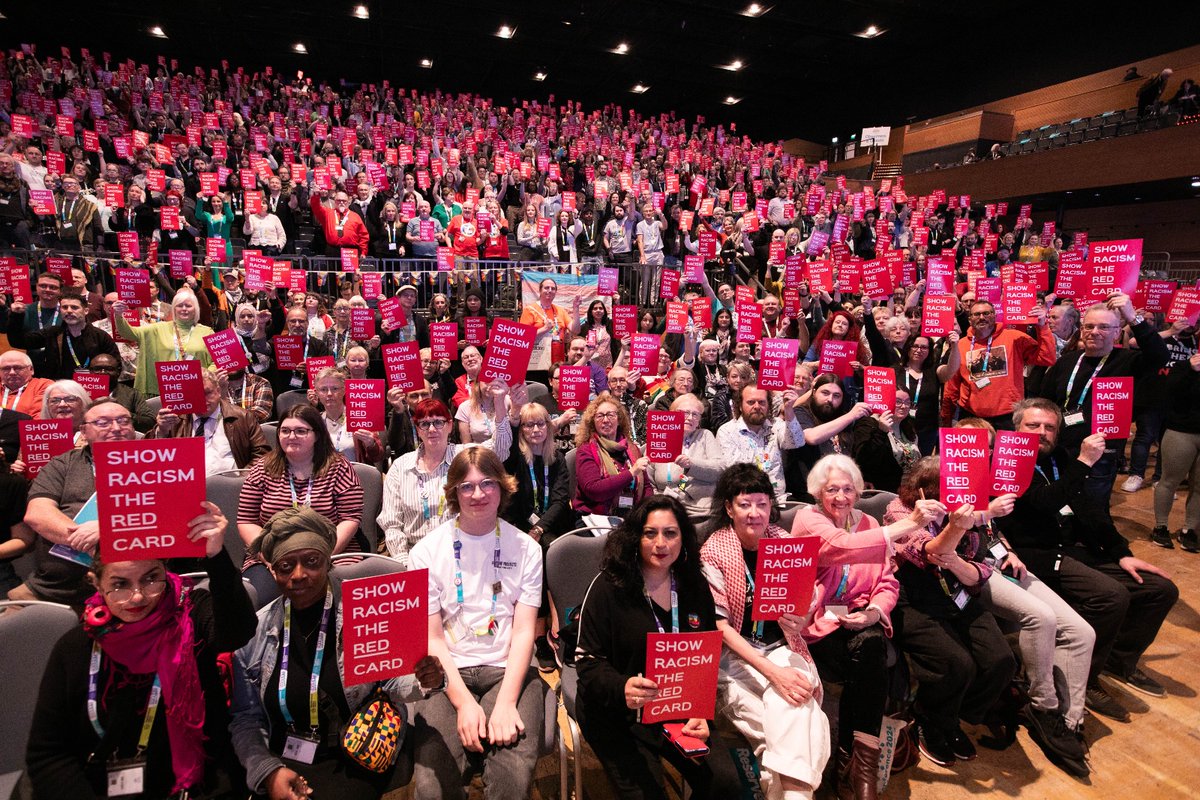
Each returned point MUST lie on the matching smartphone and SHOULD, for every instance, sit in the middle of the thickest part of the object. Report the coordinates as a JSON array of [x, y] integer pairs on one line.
[[690, 746]]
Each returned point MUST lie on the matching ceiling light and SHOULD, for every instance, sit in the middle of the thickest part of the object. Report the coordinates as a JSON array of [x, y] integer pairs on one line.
[[539, 76], [506, 32], [755, 10], [158, 32], [834, 140], [362, 12], [300, 48], [621, 49], [870, 33], [733, 66], [427, 63], [639, 89], [731, 100], [1196, 184]]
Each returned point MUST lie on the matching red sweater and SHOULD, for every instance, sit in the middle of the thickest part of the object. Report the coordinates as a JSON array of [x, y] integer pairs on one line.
[[354, 232]]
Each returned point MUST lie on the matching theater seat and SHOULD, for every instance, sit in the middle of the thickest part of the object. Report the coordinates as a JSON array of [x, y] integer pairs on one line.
[[372, 485], [154, 404], [288, 400], [224, 489]]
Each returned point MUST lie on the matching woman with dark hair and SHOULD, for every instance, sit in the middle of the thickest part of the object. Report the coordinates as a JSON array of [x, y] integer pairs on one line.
[[304, 469], [597, 329], [920, 373], [610, 470], [885, 444], [769, 687], [146, 653], [724, 333], [841, 325], [485, 586], [650, 581], [473, 304]]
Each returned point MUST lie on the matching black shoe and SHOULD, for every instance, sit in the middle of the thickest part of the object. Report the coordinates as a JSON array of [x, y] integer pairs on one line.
[[963, 749], [545, 654], [935, 746], [1050, 732], [1140, 681], [1162, 537], [1189, 541], [1101, 702]]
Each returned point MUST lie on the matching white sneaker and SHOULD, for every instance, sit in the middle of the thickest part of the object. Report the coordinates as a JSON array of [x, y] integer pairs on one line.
[[1132, 483]]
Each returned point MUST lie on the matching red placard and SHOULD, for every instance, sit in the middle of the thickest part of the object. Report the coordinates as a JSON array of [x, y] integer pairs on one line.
[[169, 218], [643, 353], [181, 386], [743, 294], [214, 248], [362, 324], [392, 313], [1185, 305], [1017, 303], [372, 285], [97, 383], [114, 195], [402, 365], [252, 200], [693, 269], [475, 330], [41, 201], [625, 320], [749, 322], [607, 282], [785, 577], [664, 436], [313, 366], [937, 315], [1037, 273], [443, 340], [677, 316], [43, 439], [382, 625], [877, 279], [289, 351], [793, 271], [181, 263], [1114, 267], [1153, 296], [701, 311], [777, 364], [364, 404], [208, 184], [684, 666], [669, 289], [1112, 407], [147, 491], [965, 471], [133, 286], [509, 349], [349, 259], [1071, 279], [836, 356], [820, 276], [879, 389], [1013, 460], [156, 180], [574, 386], [128, 245], [227, 350], [939, 275]]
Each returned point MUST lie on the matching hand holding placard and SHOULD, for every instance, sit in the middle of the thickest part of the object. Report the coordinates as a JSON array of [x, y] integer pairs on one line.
[[786, 575], [385, 625]]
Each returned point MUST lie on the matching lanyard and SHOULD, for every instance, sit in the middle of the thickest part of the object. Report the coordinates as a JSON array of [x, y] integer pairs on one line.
[[841, 589], [296, 497], [245, 401], [1087, 387], [427, 494], [917, 392], [987, 349], [93, 705], [545, 485], [674, 608], [760, 626], [66, 215], [490, 630], [340, 224], [53, 319], [16, 398], [318, 659], [71, 347], [1053, 466], [180, 344], [307, 342], [340, 350]]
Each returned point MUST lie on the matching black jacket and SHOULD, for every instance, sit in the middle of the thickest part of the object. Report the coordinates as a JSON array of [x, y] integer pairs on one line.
[[58, 362]]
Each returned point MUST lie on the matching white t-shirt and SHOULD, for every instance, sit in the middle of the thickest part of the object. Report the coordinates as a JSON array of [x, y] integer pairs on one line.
[[520, 579]]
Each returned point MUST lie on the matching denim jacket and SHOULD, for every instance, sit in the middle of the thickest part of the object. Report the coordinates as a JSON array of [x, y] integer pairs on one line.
[[252, 667]]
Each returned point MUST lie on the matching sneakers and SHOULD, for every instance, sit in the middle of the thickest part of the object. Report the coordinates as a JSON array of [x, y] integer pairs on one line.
[[935, 746], [1050, 732], [1189, 541], [1101, 702], [1162, 537], [1132, 483], [1139, 681]]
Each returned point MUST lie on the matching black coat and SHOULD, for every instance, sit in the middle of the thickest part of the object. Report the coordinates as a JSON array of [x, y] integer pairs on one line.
[[58, 362]]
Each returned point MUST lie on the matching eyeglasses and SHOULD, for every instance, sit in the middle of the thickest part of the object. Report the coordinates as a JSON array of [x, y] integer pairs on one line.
[[982, 314], [606, 415], [431, 424], [834, 491], [533, 425], [1090, 326], [104, 423], [62, 401], [695, 414], [900, 402], [311, 562], [295, 432], [149, 590], [15, 368], [487, 486]]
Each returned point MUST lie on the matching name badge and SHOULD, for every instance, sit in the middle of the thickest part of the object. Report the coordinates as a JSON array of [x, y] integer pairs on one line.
[[68, 225], [300, 748], [1074, 418], [533, 519], [835, 611], [912, 412], [1066, 511], [125, 778], [296, 382], [982, 383], [998, 551], [961, 599], [391, 245], [625, 501]]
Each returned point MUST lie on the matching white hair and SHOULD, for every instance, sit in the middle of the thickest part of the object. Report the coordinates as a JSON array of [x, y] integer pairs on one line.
[[818, 476]]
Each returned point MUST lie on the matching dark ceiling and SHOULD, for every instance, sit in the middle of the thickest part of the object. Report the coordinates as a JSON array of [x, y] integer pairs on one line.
[[806, 75]]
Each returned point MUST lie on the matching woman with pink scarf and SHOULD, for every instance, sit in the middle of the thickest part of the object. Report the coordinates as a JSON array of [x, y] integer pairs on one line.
[[134, 695]]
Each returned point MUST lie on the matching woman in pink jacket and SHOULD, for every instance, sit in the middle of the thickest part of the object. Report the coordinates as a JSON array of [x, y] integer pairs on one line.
[[610, 470]]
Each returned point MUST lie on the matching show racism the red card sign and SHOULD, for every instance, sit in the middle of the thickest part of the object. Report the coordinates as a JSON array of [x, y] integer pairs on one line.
[[475, 330], [624, 320], [443, 340], [677, 316], [509, 349], [965, 471], [1112, 407], [574, 386], [226, 350], [402, 365], [1114, 268], [43, 439], [784, 579], [606, 285], [1153, 295], [684, 666], [133, 286], [383, 625], [836, 355], [879, 389], [362, 324], [664, 436], [313, 366], [669, 287], [1017, 303], [147, 491], [777, 363], [181, 387], [937, 316], [96, 383], [1013, 460], [364, 404], [1184, 305], [643, 353], [392, 313], [289, 351], [749, 321]]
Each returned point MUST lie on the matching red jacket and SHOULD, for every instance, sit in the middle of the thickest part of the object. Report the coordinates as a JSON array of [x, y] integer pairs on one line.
[[354, 232]]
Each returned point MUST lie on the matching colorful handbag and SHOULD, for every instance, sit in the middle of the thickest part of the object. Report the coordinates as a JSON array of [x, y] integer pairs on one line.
[[372, 736]]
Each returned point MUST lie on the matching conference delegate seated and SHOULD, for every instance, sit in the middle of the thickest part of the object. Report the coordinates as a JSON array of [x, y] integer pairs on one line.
[[329, 389], [610, 470], [690, 478], [232, 437]]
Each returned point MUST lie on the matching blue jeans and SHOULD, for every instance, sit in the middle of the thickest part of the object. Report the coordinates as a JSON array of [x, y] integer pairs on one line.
[[1098, 485], [1149, 431]]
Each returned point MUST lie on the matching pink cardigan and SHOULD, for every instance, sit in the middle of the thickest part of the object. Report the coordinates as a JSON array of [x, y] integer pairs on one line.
[[595, 492], [871, 579]]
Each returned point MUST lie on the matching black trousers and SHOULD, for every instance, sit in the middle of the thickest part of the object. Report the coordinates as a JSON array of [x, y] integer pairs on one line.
[[858, 661]]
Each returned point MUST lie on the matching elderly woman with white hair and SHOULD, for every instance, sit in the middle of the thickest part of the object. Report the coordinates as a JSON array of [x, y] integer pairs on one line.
[[178, 339], [851, 620], [64, 399]]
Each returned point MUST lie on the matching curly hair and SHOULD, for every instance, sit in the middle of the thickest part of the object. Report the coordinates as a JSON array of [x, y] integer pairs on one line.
[[622, 559], [587, 426]]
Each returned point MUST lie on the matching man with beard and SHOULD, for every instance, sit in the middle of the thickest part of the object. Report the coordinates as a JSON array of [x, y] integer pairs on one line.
[[751, 438], [1070, 542], [824, 417]]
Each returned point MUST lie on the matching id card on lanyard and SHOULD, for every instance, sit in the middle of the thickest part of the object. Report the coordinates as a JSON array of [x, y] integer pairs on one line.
[[1074, 416], [125, 776], [297, 746]]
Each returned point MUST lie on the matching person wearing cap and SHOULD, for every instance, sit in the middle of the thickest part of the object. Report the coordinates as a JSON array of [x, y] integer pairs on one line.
[[286, 749], [414, 328]]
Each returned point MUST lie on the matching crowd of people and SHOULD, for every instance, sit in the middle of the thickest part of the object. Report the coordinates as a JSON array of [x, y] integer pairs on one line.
[[479, 478]]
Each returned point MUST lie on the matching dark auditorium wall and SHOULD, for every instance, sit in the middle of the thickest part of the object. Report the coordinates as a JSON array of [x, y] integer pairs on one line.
[[1171, 226]]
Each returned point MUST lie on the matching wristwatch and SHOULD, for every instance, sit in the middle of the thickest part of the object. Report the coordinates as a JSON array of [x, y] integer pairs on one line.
[[1139, 319]]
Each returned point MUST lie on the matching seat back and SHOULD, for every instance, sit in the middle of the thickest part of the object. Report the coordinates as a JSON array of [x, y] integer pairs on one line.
[[571, 563], [349, 566], [224, 488], [154, 403], [27, 635], [874, 502], [287, 400], [537, 391], [569, 457], [372, 485], [271, 433]]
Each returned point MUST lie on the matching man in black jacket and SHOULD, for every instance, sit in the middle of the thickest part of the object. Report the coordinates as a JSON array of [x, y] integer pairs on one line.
[[1070, 542], [284, 380], [69, 345]]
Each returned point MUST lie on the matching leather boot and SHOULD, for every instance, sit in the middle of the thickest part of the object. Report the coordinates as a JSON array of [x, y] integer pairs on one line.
[[858, 774]]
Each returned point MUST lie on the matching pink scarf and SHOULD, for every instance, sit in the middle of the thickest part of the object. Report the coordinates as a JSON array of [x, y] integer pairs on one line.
[[161, 643]]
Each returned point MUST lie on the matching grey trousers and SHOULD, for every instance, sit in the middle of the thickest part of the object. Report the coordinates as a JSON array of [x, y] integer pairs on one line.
[[1179, 455]]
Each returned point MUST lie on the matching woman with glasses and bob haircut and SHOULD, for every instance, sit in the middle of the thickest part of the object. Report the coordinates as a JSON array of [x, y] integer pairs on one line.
[[541, 505], [485, 585], [302, 470], [135, 692], [610, 470], [413, 501]]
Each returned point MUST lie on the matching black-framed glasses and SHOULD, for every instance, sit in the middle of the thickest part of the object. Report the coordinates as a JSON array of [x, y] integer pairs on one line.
[[534, 425], [149, 590], [432, 424]]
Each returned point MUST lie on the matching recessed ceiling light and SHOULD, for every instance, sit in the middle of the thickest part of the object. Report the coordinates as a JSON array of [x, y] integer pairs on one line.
[[427, 63], [506, 32], [621, 49], [1070, 192], [755, 10], [1196, 184], [732, 66], [362, 12], [300, 48], [157, 31], [639, 89], [870, 33], [833, 141], [731, 100], [539, 76]]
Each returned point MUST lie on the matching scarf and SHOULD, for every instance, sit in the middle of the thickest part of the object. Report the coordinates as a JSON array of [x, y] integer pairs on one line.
[[161, 643], [607, 449]]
